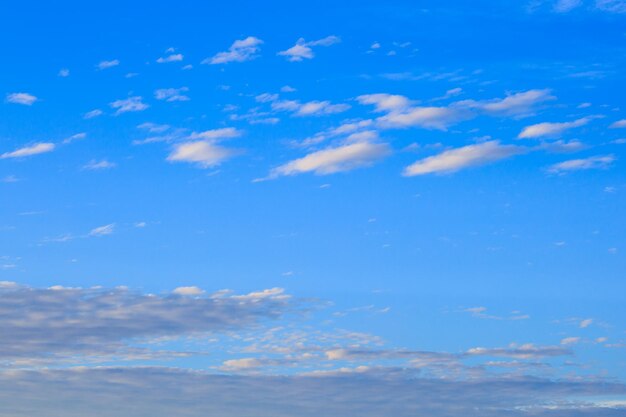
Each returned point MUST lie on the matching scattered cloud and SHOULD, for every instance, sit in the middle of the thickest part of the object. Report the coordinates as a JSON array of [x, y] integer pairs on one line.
[[619, 124], [204, 153], [64, 72], [105, 230], [130, 104], [108, 64], [95, 165], [93, 113], [335, 159], [563, 6], [304, 50], [613, 6], [21, 98], [551, 129], [527, 351], [36, 149], [467, 156], [170, 58], [240, 51], [592, 162], [171, 94]]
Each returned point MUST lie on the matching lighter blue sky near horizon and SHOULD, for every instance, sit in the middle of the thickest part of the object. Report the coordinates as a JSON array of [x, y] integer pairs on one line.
[[396, 195]]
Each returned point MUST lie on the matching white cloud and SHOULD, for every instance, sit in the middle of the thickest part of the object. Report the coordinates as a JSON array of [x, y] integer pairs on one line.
[[73, 138], [35, 149], [593, 162], [64, 72], [518, 104], [108, 64], [459, 158], [130, 104], [585, 323], [153, 127], [94, 165], [570, 340], [203, 153], [613, 6], [551, 129], [310, 108], [385, 102], [170, 58], [303, 50], [619, 124], [335, 159], [93, 113], [563, 6], [188, 291], [240, 51], [21, 98], [526, 351], [214, 134], [107, 229], [171, 94]]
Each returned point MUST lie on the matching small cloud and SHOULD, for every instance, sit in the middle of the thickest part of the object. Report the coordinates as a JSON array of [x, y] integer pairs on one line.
[[140, 225], [465, 157], [204, 153], [570, 340], [585, 323], [171, 94], [593, 162], [240, 51], [9, 179], [375, 45], [93, 113], [612, 6], [551, 129], [188, 291], [35, 149], [73, 138], [108, 64], [618, 125], [153, 128], [564, 6], [335, 159], [170, 58], [303, 50], [287, 89], [94, 165], [102, 230], [130, 104], [21, 98], [64, 72]]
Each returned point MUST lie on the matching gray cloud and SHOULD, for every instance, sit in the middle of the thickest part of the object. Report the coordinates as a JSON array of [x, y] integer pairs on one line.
[[59, 322], [142, 392]]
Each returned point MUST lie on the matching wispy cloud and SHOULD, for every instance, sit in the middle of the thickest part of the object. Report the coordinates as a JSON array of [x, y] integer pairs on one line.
[[304, 50], [467, 156], [93, 113], [170, 58], [240, 51], [30, 150], [108, 64], [171, 94], [130, 104], [21, 98], [95, 165], [592, 162], [551, 129]]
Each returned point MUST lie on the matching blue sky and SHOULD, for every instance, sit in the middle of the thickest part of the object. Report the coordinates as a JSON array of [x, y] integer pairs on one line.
[[368, 201]]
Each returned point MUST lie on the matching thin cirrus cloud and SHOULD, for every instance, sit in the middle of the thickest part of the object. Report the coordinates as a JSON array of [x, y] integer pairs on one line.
[[95, 165], [304, 50], [583, 164], [310, 108], [563, 6], [93, 113], [36, 149], [25, 99], [551, 129], [130, 104], [456, 159], [240, 51]]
